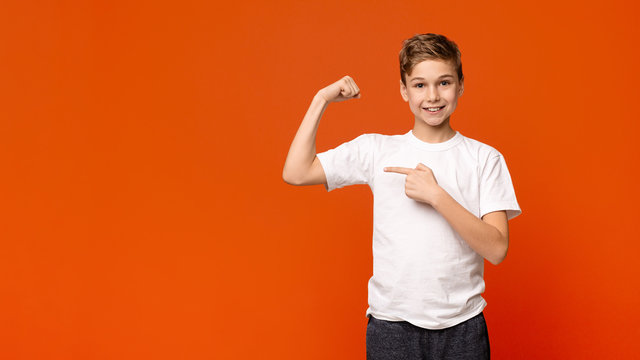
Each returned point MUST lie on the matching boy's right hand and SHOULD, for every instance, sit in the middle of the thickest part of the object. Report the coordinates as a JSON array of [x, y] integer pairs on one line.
[[343, 89]]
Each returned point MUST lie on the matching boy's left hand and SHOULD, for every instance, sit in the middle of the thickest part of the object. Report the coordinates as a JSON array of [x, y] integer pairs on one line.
[[420, 184]]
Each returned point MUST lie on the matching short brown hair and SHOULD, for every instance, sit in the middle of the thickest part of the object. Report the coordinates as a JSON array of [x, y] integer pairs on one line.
[[428, 47]]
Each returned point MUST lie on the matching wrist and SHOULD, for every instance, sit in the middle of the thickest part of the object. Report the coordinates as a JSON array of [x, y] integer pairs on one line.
[[439, 197], [320, 98]]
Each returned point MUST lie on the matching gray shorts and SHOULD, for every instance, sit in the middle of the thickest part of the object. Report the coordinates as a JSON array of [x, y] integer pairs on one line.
[[400, 340]]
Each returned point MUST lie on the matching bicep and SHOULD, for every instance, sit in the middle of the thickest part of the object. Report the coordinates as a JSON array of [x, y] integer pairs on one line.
[[498, 219], [316, 174]]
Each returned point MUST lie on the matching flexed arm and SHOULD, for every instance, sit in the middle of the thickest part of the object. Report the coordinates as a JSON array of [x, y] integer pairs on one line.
[[302, 167]]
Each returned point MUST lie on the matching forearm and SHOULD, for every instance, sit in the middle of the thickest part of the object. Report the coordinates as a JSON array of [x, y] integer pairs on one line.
[[482, 237], [303, 147]]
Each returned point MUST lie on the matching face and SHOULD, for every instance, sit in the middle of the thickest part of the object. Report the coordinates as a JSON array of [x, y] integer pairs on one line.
[[432, 85]]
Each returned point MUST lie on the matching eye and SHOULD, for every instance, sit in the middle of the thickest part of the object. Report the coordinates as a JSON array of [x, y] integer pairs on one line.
[[444, 82], [419, 85]]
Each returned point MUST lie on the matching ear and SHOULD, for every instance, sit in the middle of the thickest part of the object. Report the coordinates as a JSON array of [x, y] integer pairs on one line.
[[461, 88], [403, 91]]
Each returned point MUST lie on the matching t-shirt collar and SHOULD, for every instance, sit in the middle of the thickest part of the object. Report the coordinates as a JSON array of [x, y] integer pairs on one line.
[[434, 146]]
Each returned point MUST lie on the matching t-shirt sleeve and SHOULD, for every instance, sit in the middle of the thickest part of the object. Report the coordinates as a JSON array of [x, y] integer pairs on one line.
[[348, 164], [496, 188]]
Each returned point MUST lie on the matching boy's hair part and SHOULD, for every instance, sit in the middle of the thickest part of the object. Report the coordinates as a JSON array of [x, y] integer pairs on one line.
[[428, 46]]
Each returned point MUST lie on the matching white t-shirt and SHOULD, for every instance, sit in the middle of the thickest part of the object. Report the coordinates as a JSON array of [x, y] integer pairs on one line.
[[423, 271]]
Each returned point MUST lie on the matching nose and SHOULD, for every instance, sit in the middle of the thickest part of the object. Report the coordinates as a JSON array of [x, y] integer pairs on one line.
[[432, 94]]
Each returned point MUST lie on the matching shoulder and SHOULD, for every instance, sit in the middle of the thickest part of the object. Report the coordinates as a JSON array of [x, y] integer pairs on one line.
[[381, 137], [482, 152], [379, 140]]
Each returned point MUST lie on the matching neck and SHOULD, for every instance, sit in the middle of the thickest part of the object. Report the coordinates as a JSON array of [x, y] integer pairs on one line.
[[433, 134]]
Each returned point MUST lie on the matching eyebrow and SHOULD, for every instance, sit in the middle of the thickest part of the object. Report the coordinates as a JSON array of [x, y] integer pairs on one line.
[[440, 77]]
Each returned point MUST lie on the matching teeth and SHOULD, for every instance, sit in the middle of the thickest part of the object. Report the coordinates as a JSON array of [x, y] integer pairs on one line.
[[434, 109]]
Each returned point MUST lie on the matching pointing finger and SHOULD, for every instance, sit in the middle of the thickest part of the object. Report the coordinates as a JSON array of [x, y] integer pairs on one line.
[[399, 170]]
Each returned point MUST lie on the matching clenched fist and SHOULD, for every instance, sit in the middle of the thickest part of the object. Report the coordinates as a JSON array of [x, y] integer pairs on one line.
[[343, 89]]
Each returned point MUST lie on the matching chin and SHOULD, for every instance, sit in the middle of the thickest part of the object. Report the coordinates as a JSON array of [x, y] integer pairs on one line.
[[433, 123]]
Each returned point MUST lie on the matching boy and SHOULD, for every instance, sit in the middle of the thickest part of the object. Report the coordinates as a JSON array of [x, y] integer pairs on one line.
[[442, 202]]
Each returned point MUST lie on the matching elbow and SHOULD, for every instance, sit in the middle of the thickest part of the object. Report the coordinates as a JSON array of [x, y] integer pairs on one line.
[[497, 259], [290, 178], [287, 178], [501, 253]]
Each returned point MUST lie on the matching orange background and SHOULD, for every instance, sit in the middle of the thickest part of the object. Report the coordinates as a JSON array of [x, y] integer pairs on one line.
[[143, 211]]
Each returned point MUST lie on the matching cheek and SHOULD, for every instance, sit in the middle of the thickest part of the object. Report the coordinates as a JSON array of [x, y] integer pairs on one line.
[[415, 99], [453, 95]]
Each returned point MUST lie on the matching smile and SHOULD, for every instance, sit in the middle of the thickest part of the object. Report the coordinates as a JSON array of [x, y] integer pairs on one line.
[[434, 109]]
